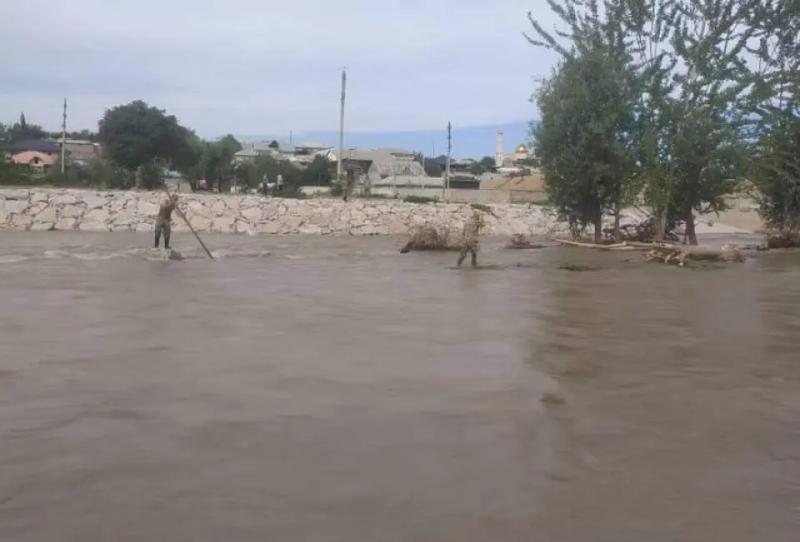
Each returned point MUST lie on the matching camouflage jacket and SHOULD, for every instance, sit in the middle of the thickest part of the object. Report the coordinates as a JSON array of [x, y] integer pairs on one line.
[[472, 229]]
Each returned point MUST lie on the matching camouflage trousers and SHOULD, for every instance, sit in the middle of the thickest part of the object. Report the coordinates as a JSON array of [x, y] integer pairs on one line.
[[469, 247], [165, 227]]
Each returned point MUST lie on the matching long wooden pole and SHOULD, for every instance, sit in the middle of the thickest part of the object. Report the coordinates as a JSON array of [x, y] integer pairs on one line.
[[183, 216]]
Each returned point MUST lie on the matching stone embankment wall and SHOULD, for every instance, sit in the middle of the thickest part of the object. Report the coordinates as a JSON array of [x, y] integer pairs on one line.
[[58, 209]]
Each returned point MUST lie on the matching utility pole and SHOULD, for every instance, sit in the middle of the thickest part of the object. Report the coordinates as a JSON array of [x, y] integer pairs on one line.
[[446, 185], [341, 132], [64, 139]]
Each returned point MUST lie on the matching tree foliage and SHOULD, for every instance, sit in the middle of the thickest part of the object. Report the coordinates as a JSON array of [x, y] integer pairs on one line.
[[267, 168], [213, 160], [583, 138], [485, 164], [775, 104], [689, 79], [318, 172], [20, 131], [136, 134], [776, 171]]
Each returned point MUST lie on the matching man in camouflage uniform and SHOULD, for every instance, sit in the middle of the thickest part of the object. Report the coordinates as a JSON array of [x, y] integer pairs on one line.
[[470, 237], [164, 219]]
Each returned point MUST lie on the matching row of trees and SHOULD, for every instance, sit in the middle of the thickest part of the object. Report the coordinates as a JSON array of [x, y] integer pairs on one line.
[[136, 136], [674, 101], [140, 142], [19, 131]]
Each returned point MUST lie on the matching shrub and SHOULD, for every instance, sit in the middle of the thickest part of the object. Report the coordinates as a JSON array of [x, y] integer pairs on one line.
[[420, 199]]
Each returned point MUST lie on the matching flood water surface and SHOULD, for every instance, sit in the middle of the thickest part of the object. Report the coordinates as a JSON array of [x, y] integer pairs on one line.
[[330, 389]]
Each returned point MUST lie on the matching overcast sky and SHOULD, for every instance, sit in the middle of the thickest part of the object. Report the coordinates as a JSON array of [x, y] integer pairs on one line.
[[266, 66]]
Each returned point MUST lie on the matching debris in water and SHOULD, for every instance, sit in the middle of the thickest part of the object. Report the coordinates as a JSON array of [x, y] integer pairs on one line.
[[429, 237], [551, 398], [578, 267], [163, 254], [521, 242]]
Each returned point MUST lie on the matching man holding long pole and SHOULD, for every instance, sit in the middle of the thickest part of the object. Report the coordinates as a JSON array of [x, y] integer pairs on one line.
[[164, 222], [164, 219]]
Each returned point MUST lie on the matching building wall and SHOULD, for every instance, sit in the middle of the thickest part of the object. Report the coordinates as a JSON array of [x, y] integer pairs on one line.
[[28, 157], [82, 152]]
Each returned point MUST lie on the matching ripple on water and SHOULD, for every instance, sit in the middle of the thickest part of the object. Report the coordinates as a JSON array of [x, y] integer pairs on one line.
[[13, 258]]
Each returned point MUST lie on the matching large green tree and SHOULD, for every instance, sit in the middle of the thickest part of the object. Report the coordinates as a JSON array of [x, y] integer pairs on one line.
[[775, 104], [318, 172], [136, 134], [487, 163], [709, 43], [687, 57], [583, 137], [213, 160]]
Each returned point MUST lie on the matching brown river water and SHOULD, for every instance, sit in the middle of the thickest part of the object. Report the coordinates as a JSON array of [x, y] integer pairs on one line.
[[331, 389]]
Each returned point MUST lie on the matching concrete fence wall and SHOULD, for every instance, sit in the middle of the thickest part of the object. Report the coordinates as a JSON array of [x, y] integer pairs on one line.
[[58, 209]]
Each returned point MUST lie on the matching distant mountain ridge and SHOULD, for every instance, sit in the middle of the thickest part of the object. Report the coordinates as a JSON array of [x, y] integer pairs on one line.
[[468, 141]]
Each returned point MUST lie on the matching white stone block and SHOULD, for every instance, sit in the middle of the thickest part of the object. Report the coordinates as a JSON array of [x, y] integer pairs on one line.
[[17, 205], [252, 214], [21, 222], [70, 211], [268, 227], [200, 223], [65, 224], [64, 199], [97, 215], [43, 226], [223, 224], [94, 201], [16, 194], [92, 225], [147, 208], [47, 215]]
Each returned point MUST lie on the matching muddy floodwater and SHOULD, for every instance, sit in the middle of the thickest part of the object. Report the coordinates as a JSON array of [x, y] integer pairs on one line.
[[330, 389]]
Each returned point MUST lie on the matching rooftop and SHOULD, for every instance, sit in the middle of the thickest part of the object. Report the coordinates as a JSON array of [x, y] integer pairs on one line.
[[39, 145]]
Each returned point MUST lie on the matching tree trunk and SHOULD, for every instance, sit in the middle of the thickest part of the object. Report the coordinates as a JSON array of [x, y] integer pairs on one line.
[[690, 233], [598, 228], [660, 221], [617, 233]]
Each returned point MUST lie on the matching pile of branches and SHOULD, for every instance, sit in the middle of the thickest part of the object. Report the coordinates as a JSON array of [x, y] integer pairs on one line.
[[783, 240], [644, 231], [666, 252], [521, 242], [429, 237], [671, 254]]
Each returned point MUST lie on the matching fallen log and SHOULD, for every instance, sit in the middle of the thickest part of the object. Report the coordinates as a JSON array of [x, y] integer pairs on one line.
[[615, 246], [624, 245], [680, 255]]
